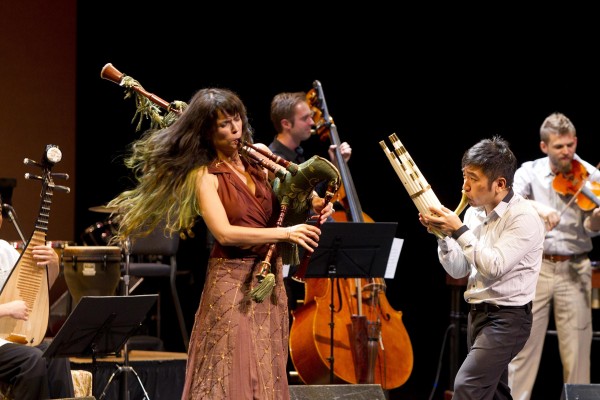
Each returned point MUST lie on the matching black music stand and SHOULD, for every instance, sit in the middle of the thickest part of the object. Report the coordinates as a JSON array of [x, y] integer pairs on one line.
[[99, 326], [350, 250]]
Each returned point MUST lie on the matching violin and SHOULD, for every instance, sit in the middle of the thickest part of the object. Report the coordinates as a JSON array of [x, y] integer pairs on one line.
[[577, 183]]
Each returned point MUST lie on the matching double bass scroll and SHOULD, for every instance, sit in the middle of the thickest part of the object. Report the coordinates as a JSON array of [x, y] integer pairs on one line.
[[327, 129]]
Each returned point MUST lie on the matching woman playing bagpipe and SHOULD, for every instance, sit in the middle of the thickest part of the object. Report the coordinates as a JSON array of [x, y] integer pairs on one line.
[[197, 166]]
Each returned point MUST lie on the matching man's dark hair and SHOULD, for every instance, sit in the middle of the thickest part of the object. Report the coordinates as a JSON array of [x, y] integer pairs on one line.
[[494, 157]]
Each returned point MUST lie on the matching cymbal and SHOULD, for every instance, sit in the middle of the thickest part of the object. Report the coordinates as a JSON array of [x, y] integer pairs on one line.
[[103, 209]]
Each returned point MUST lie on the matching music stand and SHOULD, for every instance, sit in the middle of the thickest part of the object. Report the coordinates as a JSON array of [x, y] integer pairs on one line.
[[350, 250], [99, 326], [360, 249]]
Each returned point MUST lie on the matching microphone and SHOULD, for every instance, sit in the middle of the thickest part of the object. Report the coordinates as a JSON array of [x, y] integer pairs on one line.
[[6, 208], [12, 214]]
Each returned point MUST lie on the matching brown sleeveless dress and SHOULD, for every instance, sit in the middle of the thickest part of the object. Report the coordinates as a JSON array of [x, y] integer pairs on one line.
[[239, 348]]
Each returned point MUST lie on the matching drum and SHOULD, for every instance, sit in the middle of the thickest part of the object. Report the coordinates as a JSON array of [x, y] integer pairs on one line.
[[92, 270], [100, 233]]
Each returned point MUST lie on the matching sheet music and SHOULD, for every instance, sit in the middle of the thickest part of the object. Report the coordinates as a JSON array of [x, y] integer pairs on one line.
[[390, 270]]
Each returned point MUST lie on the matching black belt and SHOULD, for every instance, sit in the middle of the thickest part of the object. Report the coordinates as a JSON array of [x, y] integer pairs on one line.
[[487, 307], [560, 257]]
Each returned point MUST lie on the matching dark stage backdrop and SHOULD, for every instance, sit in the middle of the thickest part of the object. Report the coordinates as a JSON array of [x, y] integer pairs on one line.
[[440, 87]]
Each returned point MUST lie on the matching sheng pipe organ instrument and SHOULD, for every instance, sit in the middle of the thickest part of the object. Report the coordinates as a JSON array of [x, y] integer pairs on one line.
[[414, 182]]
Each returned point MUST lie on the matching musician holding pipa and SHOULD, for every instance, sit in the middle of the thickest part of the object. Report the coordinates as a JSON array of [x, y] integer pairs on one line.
[[499, 248], [30, 376]]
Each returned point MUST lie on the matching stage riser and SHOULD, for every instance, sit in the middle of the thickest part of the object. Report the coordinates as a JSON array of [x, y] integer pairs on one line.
[[328, 392], [580, 392]]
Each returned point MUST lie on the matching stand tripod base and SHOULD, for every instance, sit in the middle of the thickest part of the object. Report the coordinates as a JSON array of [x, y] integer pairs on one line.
[[125, 370]]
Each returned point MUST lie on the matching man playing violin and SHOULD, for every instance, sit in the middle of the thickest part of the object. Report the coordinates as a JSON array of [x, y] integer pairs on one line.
[[30, 375], [292, 118], [565, 282]]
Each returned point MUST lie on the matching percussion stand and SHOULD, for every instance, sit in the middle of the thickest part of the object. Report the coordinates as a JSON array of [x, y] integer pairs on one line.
[[125, 368]]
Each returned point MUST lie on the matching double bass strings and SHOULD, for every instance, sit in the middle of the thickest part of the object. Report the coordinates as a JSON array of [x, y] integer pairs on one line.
[[415, 184]]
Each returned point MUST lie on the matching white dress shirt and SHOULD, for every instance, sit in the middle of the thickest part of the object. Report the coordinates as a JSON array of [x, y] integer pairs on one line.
[[500, 252]]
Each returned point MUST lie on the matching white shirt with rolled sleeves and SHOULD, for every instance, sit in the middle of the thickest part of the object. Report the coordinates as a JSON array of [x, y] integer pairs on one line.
[[501, 253]]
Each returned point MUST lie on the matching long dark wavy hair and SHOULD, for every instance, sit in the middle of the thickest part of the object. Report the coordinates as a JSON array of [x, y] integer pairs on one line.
[[165, 163]]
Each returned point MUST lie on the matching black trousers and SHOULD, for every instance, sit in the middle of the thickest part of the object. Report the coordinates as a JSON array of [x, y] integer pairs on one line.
[[494, 337], [32, 376]]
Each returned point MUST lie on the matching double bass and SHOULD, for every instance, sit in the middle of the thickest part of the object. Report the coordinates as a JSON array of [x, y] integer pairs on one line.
[[370, 343]]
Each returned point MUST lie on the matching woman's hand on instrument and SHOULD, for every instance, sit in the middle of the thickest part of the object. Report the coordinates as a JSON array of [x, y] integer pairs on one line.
[[16, 309], [322, 210], [304, 235], [345, 151]]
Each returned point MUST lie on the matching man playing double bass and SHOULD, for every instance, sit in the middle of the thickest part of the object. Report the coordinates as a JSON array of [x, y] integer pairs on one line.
[[293, 121]]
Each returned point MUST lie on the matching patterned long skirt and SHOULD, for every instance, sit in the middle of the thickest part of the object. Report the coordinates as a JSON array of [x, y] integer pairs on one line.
[[238, 347]]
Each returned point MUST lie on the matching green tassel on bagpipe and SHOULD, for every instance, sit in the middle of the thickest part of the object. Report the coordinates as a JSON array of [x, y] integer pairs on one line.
[[266, 279], [289, 253], [263, 289], [266, 283]]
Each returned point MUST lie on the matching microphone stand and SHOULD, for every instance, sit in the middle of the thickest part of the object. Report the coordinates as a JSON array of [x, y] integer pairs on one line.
[[125, 367], [12, 215]]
